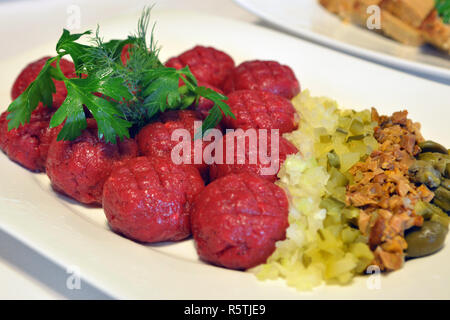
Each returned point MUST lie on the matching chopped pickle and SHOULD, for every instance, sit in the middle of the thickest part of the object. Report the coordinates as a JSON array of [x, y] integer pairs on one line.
[[431, 212], [357, 137], [326, 138], [442, 198], [337, 179], [333, 159], [344, 122], [446, 183], [424, 209], [339, 193], [350, 213], [371, 143], [348, 160], [341, 130], [357, 127], [321, 241], [349, 235], [332, 204], [365, 116], [320, 131]]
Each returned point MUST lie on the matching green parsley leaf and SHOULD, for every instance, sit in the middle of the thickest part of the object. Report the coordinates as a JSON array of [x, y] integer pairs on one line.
[[110, 119], [188, 78], [67, 45], [443, 9], [122, 97], [40, 90], [215, 114], [161, 90], [213, 118], [73, 113]]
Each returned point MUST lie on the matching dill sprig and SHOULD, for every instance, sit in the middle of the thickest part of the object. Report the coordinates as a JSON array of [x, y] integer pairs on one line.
[[122, 97]]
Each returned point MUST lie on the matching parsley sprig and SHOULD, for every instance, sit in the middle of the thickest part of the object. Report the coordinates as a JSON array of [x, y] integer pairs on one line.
[[443, 8], [121, 98]]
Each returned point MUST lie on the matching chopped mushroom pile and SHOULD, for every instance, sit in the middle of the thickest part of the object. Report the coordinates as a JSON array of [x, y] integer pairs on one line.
[[383, 192]]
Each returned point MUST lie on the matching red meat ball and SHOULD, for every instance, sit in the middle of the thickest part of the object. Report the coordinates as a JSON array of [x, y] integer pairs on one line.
[[155, 138], [125, 54], [31, 71], [263, 75], [237, 219], [260, 110], [251, 160], [149, 199], [206, 63], [28, 145], [79, 168]]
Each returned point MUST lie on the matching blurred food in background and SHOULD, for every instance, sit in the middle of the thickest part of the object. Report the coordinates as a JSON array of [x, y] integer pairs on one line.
[[411, 22]]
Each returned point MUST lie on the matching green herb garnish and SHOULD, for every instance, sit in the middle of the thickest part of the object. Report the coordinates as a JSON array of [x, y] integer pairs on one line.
[[443, 9], [122, 98]]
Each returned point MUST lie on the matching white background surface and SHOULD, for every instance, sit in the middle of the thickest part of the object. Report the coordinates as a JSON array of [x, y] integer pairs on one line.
[[23, 272]]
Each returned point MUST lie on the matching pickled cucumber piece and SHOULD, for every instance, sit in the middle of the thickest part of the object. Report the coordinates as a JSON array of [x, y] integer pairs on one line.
[[445, 183], [344, 121], [341, 130], [424, 172], [325, 138], [442, 198], [332, 204], [348, 160], [431, 146], [431, 212], [333, 159], [425, 240], [357, 127], [438, 160], [337, 179], [365, 116], [356, 137]]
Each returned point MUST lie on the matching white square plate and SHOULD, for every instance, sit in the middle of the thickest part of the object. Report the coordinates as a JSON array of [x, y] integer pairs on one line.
[[71, 234]]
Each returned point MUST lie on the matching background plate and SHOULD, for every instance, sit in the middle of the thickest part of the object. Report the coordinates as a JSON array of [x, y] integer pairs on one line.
[[73, 235], [308, 19]]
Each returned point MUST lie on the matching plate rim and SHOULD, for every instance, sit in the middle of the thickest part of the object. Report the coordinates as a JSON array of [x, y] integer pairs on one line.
[[404, 65]]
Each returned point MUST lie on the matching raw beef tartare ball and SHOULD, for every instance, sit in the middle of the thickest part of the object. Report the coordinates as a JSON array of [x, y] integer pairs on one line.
[[260, 110], [237, 219], [263, 75], [125, 54], [149, 199], [155, 138], [79, 168], [267, 170], [32, 70], [28, 145], [206, 63]]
